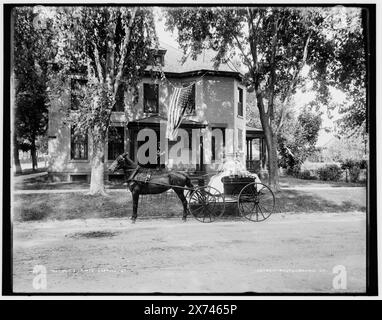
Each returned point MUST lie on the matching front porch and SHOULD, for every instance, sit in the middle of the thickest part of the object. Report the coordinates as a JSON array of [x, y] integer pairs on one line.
[[158, 125], [255, 150]]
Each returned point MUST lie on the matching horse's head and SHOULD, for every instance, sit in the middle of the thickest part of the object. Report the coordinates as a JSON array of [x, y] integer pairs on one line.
[[121, 162]]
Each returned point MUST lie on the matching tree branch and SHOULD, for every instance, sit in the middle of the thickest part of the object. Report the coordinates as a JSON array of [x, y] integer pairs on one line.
[[252, 39], [293, 83], [110, 55], [273, 70], [98, 63], [249, 64], [124, 49], [296, 75]]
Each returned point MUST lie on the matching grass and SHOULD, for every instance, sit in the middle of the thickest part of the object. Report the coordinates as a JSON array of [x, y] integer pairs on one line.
[[64, 206], [297, 201], [41, 183], [30, 171], [289, 181]]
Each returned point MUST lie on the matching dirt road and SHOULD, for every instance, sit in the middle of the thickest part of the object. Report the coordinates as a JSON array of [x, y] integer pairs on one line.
[[287, 253]]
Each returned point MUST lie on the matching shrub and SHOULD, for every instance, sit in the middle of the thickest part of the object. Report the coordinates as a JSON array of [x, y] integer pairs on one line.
[[329, 172], [363, 164], [293, 171], [353, 167], [307, 175]]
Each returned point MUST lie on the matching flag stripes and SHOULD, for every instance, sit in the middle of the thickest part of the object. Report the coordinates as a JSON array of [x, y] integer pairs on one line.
[[179, 102]]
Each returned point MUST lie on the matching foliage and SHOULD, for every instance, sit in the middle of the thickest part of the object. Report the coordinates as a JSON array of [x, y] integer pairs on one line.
[[339, 149], [353, 167], [298, 140], [352, 80], [253, 117], [329, 172], [306, 175], [110, 48], [32, 50]]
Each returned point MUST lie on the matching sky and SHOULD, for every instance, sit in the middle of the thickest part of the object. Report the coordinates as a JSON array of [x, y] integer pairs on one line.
[[165, 36]]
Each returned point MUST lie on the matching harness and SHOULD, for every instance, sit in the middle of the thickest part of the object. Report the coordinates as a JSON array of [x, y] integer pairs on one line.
[[144, 175]]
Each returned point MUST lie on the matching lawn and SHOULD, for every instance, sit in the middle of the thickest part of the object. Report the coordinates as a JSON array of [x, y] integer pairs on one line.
[[288, 181], [42, 183], [63, 206]]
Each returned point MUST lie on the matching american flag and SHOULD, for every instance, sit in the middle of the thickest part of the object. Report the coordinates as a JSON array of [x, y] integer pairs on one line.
[[179, 102]]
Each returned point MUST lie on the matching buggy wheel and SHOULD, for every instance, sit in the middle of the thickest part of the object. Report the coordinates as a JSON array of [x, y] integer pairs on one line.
[[256, 202], [206, 204]]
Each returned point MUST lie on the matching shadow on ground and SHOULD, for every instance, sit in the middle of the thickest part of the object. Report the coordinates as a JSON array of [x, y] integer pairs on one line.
[[63, 206]]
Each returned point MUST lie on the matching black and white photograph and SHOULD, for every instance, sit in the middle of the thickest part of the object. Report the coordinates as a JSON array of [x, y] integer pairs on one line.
[[196, 149]]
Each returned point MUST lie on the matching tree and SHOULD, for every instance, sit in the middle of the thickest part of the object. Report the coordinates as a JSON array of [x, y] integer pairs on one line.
[[31, 53], [275, 44], [297, 141], [353, 79], [253, 118], [113, 46], [340, 149]]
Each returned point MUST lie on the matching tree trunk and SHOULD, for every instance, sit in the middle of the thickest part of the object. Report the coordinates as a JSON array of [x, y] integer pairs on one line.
[[97, 185], [33, 154], [274, 180], [271, 142], [16, 157]]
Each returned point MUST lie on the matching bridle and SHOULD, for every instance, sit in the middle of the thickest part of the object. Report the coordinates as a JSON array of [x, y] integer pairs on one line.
[[120, 162]]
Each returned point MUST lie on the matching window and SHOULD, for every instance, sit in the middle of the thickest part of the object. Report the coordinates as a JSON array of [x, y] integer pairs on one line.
[[78, 145], [150, 98], [115, 145], [120, 103], [77, 92], [240, 103], [159, 59]]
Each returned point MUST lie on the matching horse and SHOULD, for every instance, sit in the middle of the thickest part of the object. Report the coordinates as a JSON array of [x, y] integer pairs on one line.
[[155, 184]]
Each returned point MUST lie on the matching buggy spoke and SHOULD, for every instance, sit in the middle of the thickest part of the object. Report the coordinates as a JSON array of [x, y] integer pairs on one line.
[[256, 202], [206, 198]]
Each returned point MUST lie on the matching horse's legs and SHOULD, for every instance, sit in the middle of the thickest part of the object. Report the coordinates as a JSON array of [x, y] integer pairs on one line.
[[182, 198], [135, 194]]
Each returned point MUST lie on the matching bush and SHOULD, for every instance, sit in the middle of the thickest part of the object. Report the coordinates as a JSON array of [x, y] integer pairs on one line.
[[293, 171], [306, 175], [330, 172], [354, 168], [363, 164]]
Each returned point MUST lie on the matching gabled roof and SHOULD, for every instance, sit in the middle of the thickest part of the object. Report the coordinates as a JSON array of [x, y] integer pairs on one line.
[[173, 63]]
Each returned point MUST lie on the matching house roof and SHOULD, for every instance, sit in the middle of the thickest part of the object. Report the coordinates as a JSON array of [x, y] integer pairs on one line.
[[203, 63]]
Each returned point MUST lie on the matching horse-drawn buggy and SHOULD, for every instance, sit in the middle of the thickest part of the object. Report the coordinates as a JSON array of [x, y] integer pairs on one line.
[[253, 199]]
